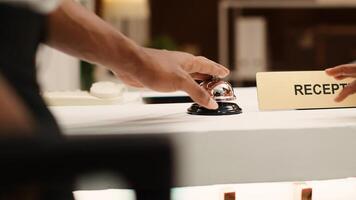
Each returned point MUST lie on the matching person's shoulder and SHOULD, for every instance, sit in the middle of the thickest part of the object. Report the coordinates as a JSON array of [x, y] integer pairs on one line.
[[40, 6]]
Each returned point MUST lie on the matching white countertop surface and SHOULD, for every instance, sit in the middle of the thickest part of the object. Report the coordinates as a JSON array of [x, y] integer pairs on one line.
[[172, 118], [251, 147]]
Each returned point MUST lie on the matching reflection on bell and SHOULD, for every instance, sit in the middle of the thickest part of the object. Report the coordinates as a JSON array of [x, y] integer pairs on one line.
[[223, 94]]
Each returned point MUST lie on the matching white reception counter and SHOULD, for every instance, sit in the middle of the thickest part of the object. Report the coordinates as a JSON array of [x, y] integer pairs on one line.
[[255, 146]]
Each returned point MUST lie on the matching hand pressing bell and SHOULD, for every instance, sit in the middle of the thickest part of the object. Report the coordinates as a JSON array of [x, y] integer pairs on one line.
[[223, 93]]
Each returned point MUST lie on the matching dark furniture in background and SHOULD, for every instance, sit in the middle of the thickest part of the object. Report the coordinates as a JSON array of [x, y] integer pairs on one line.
[[309, 39], [47, 168], [187, 22], [298, 38]]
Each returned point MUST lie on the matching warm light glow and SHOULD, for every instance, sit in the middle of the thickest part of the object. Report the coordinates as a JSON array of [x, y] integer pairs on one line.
[[121, 9]]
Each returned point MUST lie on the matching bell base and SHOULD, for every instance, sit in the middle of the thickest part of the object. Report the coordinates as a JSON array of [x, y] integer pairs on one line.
[[225, 108]]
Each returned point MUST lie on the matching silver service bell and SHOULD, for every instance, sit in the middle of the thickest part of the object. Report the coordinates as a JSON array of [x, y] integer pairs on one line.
[[220, 90], [223, 93]]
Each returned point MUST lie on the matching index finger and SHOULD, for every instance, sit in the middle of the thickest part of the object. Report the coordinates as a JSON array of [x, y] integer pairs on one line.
[[203, 65], [342, 70], [347, 91], [198, 94]]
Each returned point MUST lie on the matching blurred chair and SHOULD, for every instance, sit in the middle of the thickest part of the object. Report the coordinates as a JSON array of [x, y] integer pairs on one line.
[[47, 168]]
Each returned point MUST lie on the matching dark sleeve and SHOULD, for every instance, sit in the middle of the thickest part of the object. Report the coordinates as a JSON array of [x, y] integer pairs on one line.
[[21, 32]]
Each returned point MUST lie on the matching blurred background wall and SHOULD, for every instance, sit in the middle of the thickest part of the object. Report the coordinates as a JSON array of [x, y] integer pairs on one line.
[[246, 35], [261, 35], [188, 22]]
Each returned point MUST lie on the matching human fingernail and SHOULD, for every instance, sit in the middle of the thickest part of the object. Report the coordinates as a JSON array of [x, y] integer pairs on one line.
[[212, 104], [223, 74]]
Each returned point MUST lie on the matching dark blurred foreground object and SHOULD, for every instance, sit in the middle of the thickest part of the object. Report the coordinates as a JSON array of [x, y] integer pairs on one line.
[[43, 169], [21, 32]]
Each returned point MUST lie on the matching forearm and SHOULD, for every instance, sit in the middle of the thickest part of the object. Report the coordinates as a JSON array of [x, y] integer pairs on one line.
[[74, 30]]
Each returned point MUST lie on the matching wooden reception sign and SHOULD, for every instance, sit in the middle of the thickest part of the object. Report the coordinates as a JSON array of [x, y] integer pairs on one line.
[[300, 90]]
